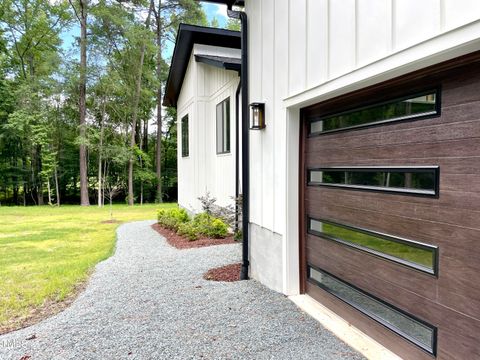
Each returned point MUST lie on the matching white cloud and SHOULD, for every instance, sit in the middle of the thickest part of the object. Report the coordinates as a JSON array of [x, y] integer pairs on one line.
[[221, 10]]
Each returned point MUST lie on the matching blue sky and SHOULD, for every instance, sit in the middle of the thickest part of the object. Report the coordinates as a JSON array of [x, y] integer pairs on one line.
[[212, 11]]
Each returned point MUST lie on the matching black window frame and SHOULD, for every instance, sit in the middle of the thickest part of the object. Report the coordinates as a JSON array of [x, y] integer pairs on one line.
[[397, 239], [224, 147], [434, 329], [185, 133], [391, 190], [427, 115]]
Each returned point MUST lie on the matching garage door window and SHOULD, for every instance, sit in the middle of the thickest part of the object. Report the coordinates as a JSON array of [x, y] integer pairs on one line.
[[406, 325], [416, 180], [407, 252], [410, 107]]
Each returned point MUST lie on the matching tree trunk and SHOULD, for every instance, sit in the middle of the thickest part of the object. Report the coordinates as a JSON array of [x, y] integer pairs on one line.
[[138, 89], [84, 201], [38, 177], [57, 188], [100, 150], [49, 192], [159, 195]]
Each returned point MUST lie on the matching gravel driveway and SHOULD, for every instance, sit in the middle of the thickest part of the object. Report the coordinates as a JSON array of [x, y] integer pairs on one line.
[[149, 301]]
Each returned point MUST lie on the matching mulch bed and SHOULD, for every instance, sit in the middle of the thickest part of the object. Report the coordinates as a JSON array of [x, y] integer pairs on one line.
[[181, 242], [229, 273]]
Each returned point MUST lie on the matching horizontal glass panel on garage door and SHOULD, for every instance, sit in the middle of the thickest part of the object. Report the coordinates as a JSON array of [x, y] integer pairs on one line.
[[421, 105], [407, 252], [421, 180], [413, 329]]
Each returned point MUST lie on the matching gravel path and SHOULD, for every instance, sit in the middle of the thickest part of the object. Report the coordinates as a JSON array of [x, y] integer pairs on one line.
[[149, 301]]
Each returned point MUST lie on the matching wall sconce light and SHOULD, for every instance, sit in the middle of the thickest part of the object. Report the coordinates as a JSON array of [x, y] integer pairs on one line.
[[258, 116]]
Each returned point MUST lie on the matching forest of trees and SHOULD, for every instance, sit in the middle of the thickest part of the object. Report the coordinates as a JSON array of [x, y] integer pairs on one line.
[[83, 123]]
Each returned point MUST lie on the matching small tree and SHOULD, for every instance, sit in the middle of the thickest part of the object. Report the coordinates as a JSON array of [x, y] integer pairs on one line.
[[112, 189]]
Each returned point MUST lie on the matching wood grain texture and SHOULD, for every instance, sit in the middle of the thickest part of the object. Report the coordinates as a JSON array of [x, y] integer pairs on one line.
[[451, 141]]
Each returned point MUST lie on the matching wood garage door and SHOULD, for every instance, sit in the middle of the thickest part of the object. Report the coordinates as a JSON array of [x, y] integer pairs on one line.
[[391, 198]]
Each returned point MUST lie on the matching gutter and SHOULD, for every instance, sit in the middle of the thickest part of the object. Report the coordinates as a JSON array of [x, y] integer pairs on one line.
[[245, 139]]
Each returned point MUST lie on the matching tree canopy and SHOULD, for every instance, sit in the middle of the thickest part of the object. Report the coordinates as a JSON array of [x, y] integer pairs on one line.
[[81, 121]]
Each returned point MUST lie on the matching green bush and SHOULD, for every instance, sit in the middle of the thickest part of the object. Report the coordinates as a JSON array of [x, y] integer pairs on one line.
[[210, 226], [238, 235], [172, 218], [202, 224], [217, 230], [188, 230]]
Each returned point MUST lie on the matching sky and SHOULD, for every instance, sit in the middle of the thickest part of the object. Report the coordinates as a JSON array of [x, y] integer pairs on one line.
[[212, 11]]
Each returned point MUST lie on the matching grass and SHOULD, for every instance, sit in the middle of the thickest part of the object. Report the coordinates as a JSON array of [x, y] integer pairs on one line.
[[46, 252]]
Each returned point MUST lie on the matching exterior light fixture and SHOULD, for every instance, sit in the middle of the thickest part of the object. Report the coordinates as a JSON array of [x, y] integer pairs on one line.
[[258, 116]]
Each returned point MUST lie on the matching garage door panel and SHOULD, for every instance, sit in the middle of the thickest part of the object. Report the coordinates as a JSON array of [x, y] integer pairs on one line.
[[453, 148], [434, 132], [469, 164], [416, 304], [465, 245], [456, 289], [406, 278], [446, 210], [461, 91], [451, 289], [363, 323]]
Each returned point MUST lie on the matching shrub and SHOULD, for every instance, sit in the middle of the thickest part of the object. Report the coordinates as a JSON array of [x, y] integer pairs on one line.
[[210, 226], [188, 230], [238, 235], [217, 230], [202, 224], [172, 218]]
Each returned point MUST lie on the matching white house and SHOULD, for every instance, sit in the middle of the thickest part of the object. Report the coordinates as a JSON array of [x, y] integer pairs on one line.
[[363, 187], [202, 85]]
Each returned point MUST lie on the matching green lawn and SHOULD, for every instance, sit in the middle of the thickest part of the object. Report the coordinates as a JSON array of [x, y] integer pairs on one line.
[[46, 251]]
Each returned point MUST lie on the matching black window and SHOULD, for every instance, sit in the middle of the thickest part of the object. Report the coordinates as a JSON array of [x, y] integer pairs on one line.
[[185, 142], [411, 328], [422, 180], [421, 105], [407, 252], [223, 127]]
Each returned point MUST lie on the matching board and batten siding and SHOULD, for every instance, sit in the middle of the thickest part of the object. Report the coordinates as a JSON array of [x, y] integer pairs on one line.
[[305, 51], [204, 170]]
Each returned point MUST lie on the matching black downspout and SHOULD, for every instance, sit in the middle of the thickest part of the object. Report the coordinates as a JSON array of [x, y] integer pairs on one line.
[[245, 139], [237, 149]]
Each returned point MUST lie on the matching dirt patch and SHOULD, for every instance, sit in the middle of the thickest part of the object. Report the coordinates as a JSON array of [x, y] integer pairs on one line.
[[48, 309], [113, 221], [181, 242], [229, 273]]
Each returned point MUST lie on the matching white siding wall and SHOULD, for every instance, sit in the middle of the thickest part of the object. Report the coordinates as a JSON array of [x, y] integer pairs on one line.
[[305, 51], [204, 171]]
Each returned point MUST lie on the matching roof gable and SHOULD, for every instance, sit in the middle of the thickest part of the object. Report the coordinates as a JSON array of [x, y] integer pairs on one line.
[[188, 35]]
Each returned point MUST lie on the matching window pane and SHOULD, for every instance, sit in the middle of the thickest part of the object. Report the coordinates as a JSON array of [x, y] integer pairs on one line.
[[185, 144], [420, 256], [405, 325], [406, 108], [219, 128], [421, 180], [226, 116], [223, 127]]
